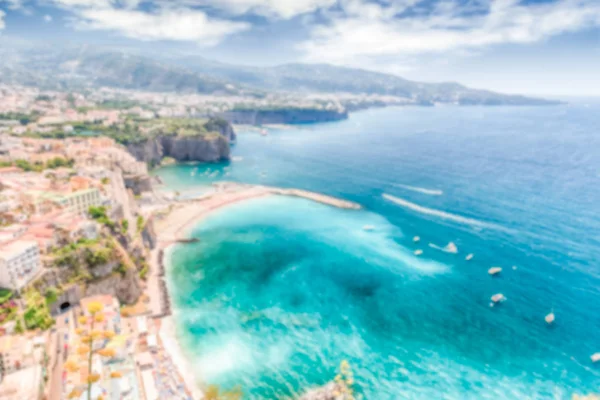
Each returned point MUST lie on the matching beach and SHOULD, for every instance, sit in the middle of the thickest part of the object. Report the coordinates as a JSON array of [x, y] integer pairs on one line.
[[175, 226]]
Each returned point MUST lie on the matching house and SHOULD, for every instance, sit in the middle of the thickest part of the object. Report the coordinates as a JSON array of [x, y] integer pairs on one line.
[[19, 263]]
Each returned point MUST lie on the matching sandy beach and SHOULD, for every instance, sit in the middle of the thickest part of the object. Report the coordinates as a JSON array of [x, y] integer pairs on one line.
[[168, 336], [175, 226]]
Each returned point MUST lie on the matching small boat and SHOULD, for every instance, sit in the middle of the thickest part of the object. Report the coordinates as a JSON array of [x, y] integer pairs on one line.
[[595, 357], [494, 271], [549, 318], [469, 257], [368, 228], [498, 298], [416, 239], [451, 248], [264, 132], [418, 252]]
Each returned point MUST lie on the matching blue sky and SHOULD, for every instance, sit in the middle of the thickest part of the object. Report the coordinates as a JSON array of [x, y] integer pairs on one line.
[[544, 47]]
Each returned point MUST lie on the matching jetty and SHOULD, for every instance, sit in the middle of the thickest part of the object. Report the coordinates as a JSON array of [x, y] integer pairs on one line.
[[318, 197], [185, 213]]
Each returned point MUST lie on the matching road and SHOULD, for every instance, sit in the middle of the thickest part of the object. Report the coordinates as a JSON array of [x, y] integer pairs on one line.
[[64, 325]]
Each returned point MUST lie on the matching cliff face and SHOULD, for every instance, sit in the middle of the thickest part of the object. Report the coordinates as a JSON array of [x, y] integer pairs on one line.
[[149, 151], [124, 287], [211, 149], [202, 148], [283, 116]]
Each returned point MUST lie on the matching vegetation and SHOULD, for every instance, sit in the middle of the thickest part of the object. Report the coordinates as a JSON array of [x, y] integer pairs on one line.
[[8, 307], [345, 382], [51, 295], [99, 214], [94, 342], [24, 119], [37, 315], [134, 131], [5, 295], [144, 270], [27, 166], [139, 224], [105, 181], [121, 269], [19, 327], [124, 226], [43, 97], [86, 253]]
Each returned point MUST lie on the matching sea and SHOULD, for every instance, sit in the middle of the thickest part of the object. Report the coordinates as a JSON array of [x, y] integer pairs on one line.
[[279, 291]]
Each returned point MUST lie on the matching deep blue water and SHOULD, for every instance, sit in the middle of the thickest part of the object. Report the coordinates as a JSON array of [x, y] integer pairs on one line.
[[279, 291]]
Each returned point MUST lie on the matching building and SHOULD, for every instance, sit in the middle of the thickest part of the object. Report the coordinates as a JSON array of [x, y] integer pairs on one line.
[[19, 263], [77, 202]]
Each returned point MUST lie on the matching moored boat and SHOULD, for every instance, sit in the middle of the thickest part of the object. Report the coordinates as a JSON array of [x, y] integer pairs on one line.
[[498, 298]]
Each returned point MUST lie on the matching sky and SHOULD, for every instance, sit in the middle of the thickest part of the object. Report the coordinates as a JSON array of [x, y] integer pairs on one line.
[[535, 47]]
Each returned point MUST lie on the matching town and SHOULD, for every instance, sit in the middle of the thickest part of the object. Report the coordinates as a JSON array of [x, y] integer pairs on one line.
[[78, 248]]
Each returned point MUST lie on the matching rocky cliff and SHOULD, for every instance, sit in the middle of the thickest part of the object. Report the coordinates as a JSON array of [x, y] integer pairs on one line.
[[283, 116], [204, 147], [125, 287]]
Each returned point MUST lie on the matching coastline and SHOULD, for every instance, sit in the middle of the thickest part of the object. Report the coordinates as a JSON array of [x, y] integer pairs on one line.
[[176, 226]]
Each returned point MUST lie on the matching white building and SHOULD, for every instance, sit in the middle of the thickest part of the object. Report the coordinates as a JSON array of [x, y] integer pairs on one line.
[[19, 263]]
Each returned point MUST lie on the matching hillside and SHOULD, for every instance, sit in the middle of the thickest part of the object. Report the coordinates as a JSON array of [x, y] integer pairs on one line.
[[86, 67]]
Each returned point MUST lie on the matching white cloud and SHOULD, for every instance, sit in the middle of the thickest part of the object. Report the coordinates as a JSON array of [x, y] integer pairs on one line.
[[13, 4], [282, 9], [48, 18], [176, 24], [173, 22], [2, 14], [370, 30]]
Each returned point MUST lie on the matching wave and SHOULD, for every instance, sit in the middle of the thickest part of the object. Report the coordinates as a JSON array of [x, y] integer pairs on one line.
[[431, 192], [441, 214]]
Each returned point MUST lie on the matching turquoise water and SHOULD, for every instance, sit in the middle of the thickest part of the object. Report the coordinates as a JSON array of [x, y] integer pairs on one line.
[[279, 290]]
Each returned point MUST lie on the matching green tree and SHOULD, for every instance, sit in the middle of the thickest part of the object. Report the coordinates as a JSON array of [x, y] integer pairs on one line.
[[19, 327]]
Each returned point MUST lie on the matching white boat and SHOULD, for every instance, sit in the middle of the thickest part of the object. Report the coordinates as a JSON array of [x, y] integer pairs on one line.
[[416, 239], [368, 228], [498, 298], [595, 357], [264, 132], [451, 248], [494, 271], [549, 318], [469, 257], [418, 252]]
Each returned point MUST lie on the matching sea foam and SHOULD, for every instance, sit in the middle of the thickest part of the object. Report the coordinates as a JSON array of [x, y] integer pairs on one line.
[[441, 214], [430, 192]]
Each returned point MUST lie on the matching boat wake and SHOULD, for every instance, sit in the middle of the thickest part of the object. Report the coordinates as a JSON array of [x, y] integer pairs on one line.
[[441, 214], [449, 248], [430, 192]]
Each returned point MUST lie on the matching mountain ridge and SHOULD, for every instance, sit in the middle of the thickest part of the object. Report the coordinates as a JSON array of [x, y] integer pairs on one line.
[[81, 67]]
